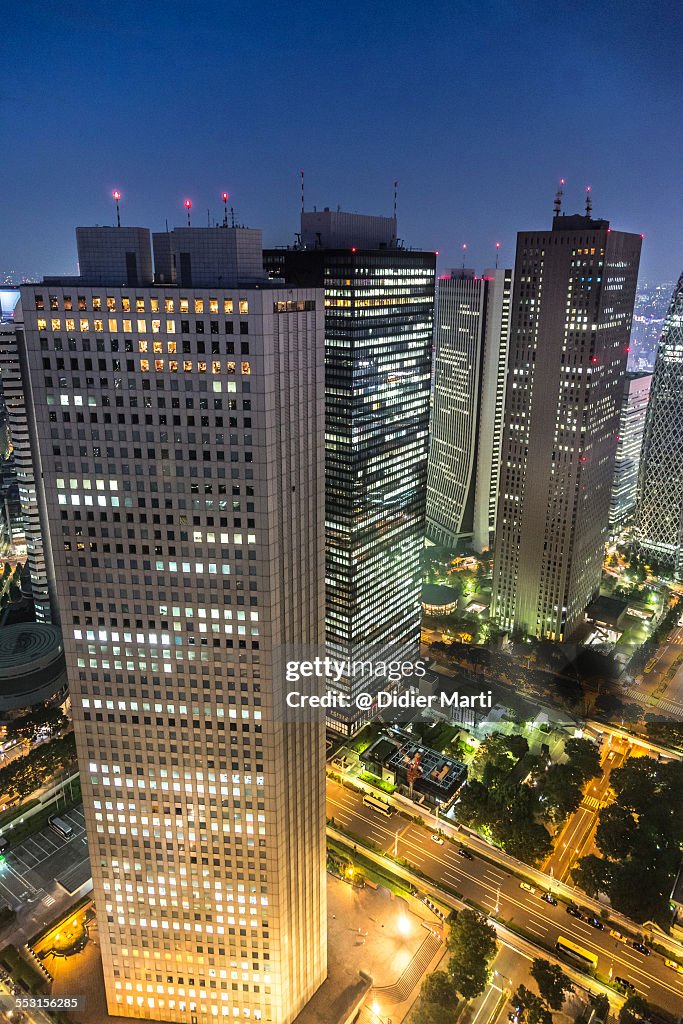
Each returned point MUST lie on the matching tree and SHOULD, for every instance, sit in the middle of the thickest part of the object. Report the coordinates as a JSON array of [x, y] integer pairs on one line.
[[532, 1009], [553, 983], [584, 757], [634, 1010], [437, 1003], [559, 792], [593, 874], [616, 831], [472, 945], [600, 1004]]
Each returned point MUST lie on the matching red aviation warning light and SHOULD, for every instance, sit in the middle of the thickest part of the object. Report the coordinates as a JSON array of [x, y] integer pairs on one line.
[[188, 206], [116, 195], [225, 209]]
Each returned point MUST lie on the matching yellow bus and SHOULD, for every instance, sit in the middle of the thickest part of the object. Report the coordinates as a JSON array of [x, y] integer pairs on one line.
[[377, 805], [576, 953]]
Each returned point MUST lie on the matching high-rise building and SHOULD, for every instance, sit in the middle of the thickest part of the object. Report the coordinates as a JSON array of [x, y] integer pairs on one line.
[[629, 445], [23, 516], [571, 316], [471, 335], [659, 516], [181, 433], [379, 300]]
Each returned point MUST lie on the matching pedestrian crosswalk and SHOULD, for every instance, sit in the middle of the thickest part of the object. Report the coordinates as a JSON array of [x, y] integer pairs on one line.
[[672, 707], [592, 803], [48, 900]]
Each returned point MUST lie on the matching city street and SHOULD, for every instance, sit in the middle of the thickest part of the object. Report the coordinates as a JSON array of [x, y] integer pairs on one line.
[[493, 888], [577, 836], [659, 688]]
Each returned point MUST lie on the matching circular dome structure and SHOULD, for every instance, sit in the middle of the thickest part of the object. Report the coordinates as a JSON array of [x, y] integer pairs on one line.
[[32, 665]]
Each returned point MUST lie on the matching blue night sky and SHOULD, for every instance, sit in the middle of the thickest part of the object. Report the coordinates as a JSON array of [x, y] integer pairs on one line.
[[478, 110]]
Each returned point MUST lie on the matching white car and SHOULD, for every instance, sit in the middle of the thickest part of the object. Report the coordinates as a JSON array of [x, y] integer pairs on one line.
[[438, 840], [529, 888]]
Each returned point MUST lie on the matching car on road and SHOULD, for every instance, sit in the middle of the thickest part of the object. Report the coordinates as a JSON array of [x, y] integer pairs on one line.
[[438, 840], [595, 922], [674, 966], [465, 853], [548, 897], [575, 912], [618, 935], [641, 948], [529, 888], [625, 984]]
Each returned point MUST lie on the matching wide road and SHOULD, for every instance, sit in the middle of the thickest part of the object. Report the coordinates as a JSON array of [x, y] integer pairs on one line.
[[577, 837], [494, 889], [659, 688]]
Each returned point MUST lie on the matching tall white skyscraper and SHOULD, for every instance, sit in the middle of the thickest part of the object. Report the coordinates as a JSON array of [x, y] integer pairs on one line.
[[181, 432], [629, 445], [570, 326], [471, 337]]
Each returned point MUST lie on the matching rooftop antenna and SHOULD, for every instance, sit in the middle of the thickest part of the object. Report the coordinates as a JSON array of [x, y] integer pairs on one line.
[[188, 207], [589, 202], [232, 215], [208, 218], [116, 196], [302, 190], [497, 253], [557, 204], [225, 209], [395, 197], [464, 253]]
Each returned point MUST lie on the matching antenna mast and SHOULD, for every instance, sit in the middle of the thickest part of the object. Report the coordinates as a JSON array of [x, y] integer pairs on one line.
[[557, 204], [116, 196], [302, 190], [589, 202], [188, 207], [225, 209]]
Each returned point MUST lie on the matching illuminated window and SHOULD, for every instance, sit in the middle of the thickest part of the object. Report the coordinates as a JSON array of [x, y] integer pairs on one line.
[[171, 347], [70, 324], [199, 305], [56, 324], [227, 305], [158, 347], [40, 302], [213, 305], [231, 367], [142, 346], [201, 366], [158, 364], [113, 324], [68, 304], [144, 365], [170, 326], [142, 326], [54, 302], [173, 365], [98, 325], [128, 326], [85, 325], [246, 368], [154, 305], [42, 324], [216, 366], [156, 326], [111, 304], [82, 304], [244, 306], [96, 303], [184, 305], [125, 305], [169, 305], [139, 305]]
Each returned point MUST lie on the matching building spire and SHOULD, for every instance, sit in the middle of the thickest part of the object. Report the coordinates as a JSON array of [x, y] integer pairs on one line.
[[589, 202], [557, 204]]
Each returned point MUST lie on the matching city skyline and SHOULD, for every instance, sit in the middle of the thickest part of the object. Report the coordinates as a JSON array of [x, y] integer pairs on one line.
[[451, 80]]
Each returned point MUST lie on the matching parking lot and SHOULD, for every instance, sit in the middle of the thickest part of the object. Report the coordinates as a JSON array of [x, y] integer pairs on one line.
[[31, 867]]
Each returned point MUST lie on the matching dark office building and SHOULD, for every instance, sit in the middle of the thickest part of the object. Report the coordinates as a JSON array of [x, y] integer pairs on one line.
[[378, 336]]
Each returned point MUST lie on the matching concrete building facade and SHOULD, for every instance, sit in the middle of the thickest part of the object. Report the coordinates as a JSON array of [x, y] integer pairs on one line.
[[471, 337], [629, 446], [572, 307], [181, 436]]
